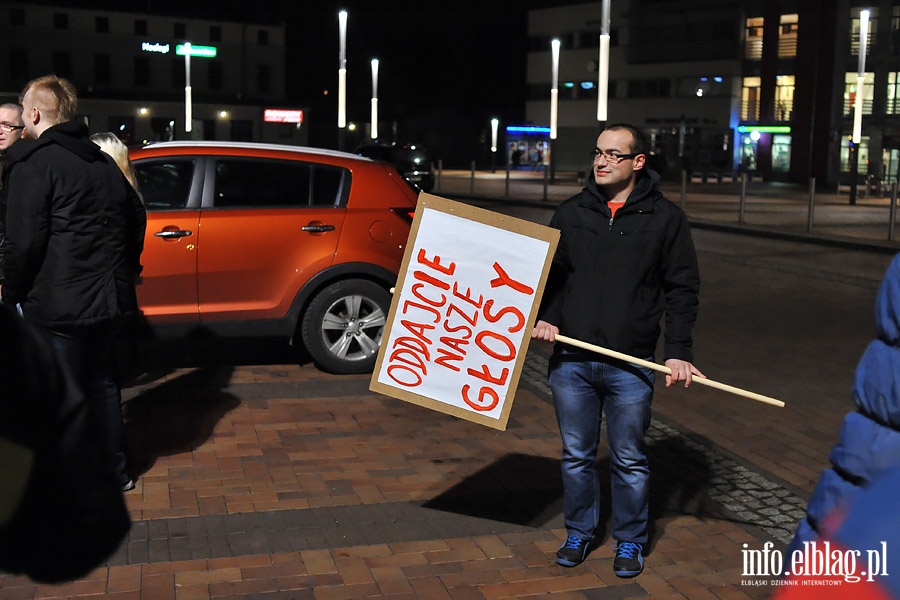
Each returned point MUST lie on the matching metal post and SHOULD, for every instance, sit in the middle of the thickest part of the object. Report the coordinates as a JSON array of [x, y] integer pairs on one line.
[[683, 190], [812, 204], [472, 180], [743, 197], [506, 192], [892, 220], [546, 180], [440, 171]]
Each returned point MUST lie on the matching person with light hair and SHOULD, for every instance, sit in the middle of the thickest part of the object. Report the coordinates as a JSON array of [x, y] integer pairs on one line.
[[116, 148]]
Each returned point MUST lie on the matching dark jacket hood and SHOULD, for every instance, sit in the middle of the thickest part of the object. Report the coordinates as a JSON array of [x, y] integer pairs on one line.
[[647, 184], [71, 135]]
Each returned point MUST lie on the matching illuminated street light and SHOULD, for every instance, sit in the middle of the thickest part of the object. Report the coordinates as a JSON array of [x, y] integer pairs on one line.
[[342, 71], [188, 113], [554, 89], [858, 104], [603, 64], [495, 123], [374, 99]]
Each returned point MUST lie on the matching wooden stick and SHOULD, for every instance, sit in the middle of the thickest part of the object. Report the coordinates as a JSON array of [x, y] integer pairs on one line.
[[664, 369]]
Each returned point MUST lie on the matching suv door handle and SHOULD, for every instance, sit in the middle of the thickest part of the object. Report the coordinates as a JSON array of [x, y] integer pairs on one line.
[[317, 228], [170, 234]]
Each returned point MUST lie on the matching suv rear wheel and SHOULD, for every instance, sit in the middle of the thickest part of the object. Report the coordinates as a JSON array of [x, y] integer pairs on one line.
[[343, 325]]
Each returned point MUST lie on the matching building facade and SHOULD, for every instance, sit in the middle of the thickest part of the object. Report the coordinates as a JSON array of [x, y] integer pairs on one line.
[[723, 86], [131, 72]]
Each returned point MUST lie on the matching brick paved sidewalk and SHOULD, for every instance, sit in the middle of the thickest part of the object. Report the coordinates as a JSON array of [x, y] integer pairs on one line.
[[278, 481]]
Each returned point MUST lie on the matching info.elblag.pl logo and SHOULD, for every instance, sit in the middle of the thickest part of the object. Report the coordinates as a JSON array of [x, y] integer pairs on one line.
[[817, 559]]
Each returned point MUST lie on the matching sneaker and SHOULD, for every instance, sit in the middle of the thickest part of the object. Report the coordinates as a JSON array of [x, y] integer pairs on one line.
[[573, 552], [628, 562], [128, 486]]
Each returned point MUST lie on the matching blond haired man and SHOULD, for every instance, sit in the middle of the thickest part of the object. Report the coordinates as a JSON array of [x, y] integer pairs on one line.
[[75, 232]]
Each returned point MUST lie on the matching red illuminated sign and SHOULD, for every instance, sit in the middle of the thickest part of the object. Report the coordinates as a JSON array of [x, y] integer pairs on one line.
[[282, 115]]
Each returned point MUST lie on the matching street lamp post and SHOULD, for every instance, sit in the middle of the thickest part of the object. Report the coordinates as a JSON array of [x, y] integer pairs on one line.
[[342, 79], [603, 64], [554, 105], [374, 99], [188, 109], [858, 104], [495, 123]]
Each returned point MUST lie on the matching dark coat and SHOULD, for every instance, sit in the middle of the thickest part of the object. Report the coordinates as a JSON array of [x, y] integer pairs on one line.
[[2, 219], [870, 436], [613, 278], [75, 230]]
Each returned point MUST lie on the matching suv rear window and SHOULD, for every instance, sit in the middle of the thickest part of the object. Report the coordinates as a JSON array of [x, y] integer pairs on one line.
[[165, 184], [257, 183]]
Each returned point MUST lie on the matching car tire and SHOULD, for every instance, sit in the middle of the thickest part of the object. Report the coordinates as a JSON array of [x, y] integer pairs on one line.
[[343, 325]]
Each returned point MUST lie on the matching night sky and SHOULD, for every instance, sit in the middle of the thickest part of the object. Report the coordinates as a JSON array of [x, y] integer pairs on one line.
[[460, 63]]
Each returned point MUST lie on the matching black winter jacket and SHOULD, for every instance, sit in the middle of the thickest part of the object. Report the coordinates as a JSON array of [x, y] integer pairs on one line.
[[74, 230], [613, 278]]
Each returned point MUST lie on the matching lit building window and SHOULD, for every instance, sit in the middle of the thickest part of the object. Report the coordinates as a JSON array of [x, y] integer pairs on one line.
[[893, 94], [753, 38], [850, 91], [750, 99], [784, 97], [787, 36]]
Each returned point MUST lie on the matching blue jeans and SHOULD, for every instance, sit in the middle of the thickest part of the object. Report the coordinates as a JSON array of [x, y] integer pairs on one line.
[[583, 389], [87, 353]]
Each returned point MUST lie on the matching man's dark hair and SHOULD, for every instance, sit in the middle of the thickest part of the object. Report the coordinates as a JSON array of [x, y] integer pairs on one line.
[[639, 145]]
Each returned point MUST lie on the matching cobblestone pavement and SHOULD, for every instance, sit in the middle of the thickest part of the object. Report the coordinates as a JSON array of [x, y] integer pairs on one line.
[[262, 478]]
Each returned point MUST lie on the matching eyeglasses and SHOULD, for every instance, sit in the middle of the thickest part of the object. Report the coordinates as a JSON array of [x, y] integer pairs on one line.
[[611, 157], [6, 127]]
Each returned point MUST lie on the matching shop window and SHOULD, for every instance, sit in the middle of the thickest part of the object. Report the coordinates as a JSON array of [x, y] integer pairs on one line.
[[781, 153], [863, 154]]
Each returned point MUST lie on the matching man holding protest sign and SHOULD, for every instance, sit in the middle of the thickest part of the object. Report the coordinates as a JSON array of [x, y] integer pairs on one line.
[[624, 258]]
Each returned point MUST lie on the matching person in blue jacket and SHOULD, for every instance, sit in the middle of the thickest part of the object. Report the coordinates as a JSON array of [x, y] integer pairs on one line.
[[870, 436]]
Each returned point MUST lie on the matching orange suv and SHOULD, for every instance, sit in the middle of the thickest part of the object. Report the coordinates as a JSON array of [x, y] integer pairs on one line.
[[266, 240]]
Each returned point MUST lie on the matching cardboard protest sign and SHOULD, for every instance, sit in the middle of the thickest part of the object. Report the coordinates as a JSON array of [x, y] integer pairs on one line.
[[463, 308]]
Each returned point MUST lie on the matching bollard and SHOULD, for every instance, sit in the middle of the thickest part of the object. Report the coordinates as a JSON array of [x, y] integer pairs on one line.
[[743, 198], [812, 204], [440, 170], [892, 219], [683, 190], [546, 180], [507, 180], [472, 180]]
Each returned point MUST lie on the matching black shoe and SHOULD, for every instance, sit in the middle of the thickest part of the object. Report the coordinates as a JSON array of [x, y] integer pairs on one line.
[[573, 552], [628, 562], [128, 486]]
